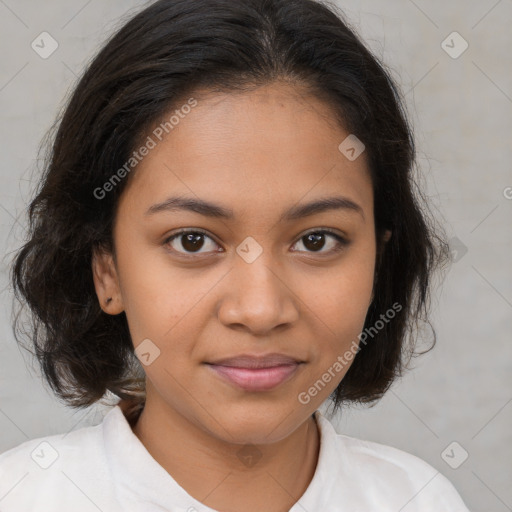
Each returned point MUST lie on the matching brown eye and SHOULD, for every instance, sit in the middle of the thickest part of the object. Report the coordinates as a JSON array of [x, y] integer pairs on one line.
[[315, 241], [190, 242]]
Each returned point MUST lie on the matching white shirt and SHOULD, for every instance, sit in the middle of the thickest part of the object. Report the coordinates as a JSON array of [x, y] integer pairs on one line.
[[106, 468]]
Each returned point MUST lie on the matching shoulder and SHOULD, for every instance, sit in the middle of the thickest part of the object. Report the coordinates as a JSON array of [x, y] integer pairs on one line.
[[56, 472], [383, 458], [415, 484], [384, 474]]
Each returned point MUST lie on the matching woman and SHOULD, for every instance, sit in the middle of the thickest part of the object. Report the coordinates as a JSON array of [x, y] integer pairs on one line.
[[227, 235]]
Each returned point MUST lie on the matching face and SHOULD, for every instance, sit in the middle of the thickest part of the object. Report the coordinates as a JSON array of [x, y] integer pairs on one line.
[[258, 274]]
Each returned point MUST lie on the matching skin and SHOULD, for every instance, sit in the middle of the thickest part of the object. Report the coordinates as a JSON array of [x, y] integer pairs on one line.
[[257, 153]]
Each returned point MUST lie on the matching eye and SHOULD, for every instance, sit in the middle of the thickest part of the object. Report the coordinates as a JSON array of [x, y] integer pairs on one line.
[[315, 241], [192, 241]]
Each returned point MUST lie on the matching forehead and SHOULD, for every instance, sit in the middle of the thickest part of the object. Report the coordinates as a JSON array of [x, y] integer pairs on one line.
[[253, 152]]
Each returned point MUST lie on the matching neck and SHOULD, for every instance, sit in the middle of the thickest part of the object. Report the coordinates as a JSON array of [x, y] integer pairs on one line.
[[227, 476]]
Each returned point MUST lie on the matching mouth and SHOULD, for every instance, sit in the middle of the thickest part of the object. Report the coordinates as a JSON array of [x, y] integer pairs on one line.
[[256, 373], [256, 379]]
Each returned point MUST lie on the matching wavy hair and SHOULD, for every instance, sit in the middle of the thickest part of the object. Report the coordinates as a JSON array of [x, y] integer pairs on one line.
[[161, 55]]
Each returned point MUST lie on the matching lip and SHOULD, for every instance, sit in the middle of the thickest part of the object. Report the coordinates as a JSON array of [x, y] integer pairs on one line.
[[256, 379], [256, 373], [256, 361]]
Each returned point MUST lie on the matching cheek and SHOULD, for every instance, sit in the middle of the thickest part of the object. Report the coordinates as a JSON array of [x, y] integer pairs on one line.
[[165, 304], [147, 284], [340, 311], [340, 302], [336, 314]]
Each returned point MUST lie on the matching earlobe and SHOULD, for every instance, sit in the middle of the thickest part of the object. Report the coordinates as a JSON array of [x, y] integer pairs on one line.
[[106, 282], [387, 235]]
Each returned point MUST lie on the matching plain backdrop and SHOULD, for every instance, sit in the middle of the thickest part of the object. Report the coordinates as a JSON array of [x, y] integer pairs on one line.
[[456, 403]]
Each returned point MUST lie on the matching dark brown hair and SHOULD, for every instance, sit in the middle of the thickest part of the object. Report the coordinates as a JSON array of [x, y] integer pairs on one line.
[[161, 55]]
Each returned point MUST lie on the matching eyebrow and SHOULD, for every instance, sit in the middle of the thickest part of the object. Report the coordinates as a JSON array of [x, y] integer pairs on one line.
[[216, 211]]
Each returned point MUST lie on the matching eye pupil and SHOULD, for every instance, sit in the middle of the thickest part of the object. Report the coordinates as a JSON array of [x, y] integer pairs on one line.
[[191, 241], [317, 240]]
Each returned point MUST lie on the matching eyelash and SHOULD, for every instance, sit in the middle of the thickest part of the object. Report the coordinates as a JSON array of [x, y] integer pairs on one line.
[[342, 242]]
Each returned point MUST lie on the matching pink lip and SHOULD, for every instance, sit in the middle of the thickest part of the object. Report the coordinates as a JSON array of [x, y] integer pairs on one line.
[[256, 379]]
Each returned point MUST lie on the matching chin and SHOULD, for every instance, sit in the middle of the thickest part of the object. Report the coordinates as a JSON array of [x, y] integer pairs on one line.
[[259, 424]]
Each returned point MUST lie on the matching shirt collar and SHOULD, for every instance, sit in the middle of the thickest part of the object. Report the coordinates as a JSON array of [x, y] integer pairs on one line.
[[140, 481]]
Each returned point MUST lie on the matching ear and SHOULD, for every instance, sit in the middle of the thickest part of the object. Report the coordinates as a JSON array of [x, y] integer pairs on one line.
[[106, 282], [387, 235]]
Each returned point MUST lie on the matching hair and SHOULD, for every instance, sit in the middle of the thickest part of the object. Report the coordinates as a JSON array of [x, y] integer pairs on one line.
[[163, 54]]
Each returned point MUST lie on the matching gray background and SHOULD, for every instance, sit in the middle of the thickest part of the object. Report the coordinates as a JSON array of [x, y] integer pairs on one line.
[[462, 112]]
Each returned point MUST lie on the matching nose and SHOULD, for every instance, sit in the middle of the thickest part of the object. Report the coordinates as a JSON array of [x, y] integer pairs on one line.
[[258, 297]]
